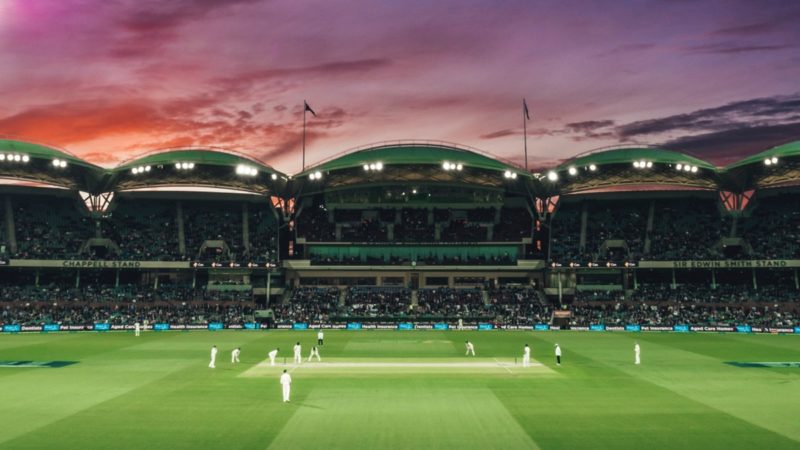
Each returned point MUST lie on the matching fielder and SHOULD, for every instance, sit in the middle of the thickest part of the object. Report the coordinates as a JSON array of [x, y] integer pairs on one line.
[[298, 358], [137, 329], [526, 356], [286, 382], [558, 355], [320, 336], [212, 364], [272, 355], [235, 355], [314, 352], [637, 351], [470, 348]]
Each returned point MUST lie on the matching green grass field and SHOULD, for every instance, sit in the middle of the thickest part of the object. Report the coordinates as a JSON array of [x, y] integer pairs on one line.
[[400, 389]]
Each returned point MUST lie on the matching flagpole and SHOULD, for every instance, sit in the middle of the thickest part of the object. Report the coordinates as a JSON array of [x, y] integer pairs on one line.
[[304, 135], [525, 132]]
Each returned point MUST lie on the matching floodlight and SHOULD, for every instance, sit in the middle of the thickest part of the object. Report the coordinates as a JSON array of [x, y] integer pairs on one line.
[[679, 167], [379, 165], [636, 164], [459, 166], [552, 176], [366, 167], [649, 164], [274, 176], [25, 158], [2, 156], [694, 169], [592, 167], [774, 160], [572, 170]]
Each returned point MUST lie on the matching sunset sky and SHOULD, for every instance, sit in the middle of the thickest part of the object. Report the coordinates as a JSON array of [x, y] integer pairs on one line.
[[109, 79]]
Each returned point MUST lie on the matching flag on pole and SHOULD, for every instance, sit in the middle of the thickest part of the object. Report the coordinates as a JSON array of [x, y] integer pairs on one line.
[[524, 107], [308, 108]]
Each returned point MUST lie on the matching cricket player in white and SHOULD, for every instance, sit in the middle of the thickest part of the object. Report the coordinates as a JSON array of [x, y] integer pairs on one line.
[[320, 336], [272, 355], [212, 364], [526, 356], [298, 358], [137, 329], [235, 355], [286, 382], [314, 352], [637, 351], [558, 355], [470, 348]]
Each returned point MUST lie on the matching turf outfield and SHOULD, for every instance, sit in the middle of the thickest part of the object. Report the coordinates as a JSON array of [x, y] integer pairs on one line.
[[400, 389]]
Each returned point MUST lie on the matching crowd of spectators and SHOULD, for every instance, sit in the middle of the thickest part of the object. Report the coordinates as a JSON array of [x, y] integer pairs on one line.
[[49, 228], [686, 229], [619, 313], [514, 225], [377, 301], [452, 303], [308, 304], [144, 230], [128, 313], [518, 306], [139, 230], [94, 293], [773, 228]]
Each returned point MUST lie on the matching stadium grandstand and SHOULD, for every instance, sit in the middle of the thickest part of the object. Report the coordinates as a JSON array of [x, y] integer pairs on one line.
[[406, 231]]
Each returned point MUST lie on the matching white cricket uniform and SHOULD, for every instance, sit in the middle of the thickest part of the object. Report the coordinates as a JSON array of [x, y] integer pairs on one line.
[[320, 336], [137, 329], [526, 357], [637, 354], [558, 355], [235, 355], [272, 355], [298, 358], [314, 352], [470, 348], [286, 382], [212, 364]]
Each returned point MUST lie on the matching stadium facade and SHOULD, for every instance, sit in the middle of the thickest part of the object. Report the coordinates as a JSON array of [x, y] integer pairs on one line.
[[407, 230]]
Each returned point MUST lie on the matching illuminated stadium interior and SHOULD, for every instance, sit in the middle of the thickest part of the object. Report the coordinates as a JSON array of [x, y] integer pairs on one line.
[[404, 230]]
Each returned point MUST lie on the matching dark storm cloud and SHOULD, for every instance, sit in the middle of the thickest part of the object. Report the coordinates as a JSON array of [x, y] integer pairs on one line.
[[773, 110], [727, 146], [735, 48]]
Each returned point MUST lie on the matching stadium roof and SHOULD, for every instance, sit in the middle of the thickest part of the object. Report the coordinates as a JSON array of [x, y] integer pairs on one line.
[[41, 151], [413, 153], [781, 151], [209, 156], [46, 165], [627, 154]]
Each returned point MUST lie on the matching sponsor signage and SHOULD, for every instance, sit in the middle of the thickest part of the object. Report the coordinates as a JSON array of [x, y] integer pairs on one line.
[[681, 328], [633, 328], [405, 326], [485, 326], [744, 329], [161, 327], [300, 326], [94, 264], [721, 264], [102, 327], [354, 325], [15, 328], [51, 327], [441, 326], [597, 327], [214, 326], [252, 326], [541, 327]]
